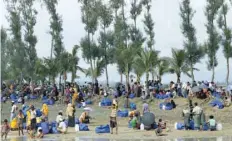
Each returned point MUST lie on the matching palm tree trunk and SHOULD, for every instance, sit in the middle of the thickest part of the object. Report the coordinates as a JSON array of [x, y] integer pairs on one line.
[[228, 71], [213, 71], [192, 74], [147, 77], [60, 82], [121, 77], [160, 79], [107, 78], [178, 78]]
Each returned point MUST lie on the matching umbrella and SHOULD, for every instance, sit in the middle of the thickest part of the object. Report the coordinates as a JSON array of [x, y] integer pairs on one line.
[[148, 118], [88, 109], [196, 89], [229, 88]]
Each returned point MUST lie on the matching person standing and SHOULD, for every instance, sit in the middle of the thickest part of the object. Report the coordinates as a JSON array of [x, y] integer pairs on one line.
[[20, 118], [197, 111], [70, 113], [33, 117], [186, 115], [113, 117], [14, 109]]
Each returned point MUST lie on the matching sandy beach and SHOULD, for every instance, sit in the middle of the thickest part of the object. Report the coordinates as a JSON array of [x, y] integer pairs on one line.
[[101, 116]]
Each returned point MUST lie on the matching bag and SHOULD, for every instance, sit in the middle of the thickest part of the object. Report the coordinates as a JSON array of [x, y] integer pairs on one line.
[[88, 102], [219, 127], [79, 105], [77, 121], [141, 126], [54, 130], [45, 127], [13, 124], [123, 113], [179, 126], [205, 127], [51, 102], [38, 113], [102, 129], [106, 102], [77, 128], [191, 125], [83, 127], [133, 106], [155, 126], [132, 96]]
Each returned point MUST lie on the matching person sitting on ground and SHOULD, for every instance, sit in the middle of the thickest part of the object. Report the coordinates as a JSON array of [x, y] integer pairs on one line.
[[44, 111], [134, 121], [62, 128], [5, 129], [173, 104], [161, 126], [58, 117], [227, 102], [40, 133], [212, 123], [145, 107], [84, 118]]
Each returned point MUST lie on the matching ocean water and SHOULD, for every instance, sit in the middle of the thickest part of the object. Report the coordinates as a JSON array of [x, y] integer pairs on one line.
[[104, 139]]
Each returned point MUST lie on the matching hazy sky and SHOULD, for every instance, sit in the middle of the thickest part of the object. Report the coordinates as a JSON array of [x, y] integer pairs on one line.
[[167, 33]]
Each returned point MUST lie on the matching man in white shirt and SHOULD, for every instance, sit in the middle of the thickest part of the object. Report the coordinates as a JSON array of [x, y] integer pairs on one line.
[[62, 127], [197, 109], [14, 108]]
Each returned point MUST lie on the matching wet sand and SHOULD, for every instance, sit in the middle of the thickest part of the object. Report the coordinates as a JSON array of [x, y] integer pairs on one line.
[[101, 116]]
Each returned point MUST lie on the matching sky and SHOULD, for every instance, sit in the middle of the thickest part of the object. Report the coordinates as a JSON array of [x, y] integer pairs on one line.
[[165, 14]]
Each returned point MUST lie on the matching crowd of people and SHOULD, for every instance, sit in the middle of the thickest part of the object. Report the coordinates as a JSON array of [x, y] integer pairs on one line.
[[73, 94]]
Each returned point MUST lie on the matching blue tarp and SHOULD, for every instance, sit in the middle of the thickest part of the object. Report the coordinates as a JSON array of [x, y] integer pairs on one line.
[[45, 127], [180, 126], [106, 102], [83, 127], [38, 113], [132, 96], [168, 106], [33, 97], [162, 96], [13, 97], [217, 95], [79, 105], [49, 101], [88, 102], [122, 113], [102, 129], [217, 103], [133, 106]]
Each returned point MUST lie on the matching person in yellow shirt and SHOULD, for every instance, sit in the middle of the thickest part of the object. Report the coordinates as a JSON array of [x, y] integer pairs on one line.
[[74, 98], [45, 110], [84, 118], [28, 120]]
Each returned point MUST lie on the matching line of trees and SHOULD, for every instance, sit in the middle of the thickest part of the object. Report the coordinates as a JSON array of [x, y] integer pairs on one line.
[[124, 44]]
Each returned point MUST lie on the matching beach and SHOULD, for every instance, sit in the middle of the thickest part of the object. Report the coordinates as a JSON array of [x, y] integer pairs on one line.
[[101, 117]]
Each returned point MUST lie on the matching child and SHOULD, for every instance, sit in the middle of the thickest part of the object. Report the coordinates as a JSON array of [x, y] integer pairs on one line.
[[40, 133], [5, 129], [212, 123], [20, 121], [173, 104], [62, 126], [161, 126]]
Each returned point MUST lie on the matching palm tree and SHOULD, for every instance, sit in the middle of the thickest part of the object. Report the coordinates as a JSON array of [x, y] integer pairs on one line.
[[178, 63], [226, 36], [144, 60], [162, 67], [98, 69], [40, 70], [74, 63], [52, 68], [125, 59]]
